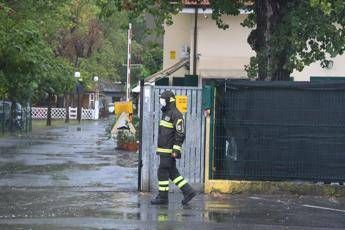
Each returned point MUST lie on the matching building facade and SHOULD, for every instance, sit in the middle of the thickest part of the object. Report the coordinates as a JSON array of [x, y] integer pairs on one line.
[[222, 53]]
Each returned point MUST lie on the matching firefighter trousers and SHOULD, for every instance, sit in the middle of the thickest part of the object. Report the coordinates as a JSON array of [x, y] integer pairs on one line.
[[167, 170]]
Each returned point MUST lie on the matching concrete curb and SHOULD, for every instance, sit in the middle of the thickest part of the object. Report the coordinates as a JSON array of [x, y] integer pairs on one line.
[[266, 187]]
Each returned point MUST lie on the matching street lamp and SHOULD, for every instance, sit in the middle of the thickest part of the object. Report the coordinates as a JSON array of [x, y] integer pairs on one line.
[[77, 76], [95, 78]]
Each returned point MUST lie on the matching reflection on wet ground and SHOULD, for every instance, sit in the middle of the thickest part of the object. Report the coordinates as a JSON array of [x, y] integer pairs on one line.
[[74, 178], [130, 210], [80, 155]]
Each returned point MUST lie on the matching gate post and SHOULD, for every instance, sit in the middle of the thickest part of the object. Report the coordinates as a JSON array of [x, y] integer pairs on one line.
[[141, 113], [147, 136], [208, 106]]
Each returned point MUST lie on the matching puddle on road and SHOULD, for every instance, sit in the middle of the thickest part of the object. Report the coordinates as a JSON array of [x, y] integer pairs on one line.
[[127, 159], [56, 205], [14, 168]]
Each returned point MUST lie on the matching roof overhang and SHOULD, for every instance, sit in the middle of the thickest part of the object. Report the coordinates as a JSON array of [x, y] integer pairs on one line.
[[167, 72]]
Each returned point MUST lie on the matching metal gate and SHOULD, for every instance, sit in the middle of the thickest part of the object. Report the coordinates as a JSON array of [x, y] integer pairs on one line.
[[191, 164]]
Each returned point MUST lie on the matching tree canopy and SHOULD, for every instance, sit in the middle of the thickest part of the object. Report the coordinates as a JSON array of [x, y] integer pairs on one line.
[[286, 35], [43, 42], [26, 60]]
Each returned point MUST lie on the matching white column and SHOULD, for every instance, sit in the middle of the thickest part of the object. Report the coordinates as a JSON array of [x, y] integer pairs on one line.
[[128, 86], [97, 105]]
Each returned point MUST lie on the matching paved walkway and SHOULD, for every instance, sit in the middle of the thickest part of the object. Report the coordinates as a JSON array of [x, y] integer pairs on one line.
[[74, 178]]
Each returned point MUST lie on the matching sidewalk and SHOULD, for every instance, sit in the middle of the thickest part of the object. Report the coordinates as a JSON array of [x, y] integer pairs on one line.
[[71, 177]]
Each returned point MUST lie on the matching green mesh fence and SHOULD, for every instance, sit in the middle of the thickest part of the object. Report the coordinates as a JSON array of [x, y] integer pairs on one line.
[[19, 121], [280, 131]]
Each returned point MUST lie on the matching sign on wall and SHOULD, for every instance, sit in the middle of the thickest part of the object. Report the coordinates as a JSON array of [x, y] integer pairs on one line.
[[182, 103], [172, 55]]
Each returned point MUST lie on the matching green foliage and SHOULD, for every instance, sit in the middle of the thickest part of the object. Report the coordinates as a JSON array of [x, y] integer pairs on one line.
[[305, 32], [152, 60], [161, 10], [295, 34], [224, 7], [26, 60], [125, 137], [43, 42], [252, 68], [310, 33]]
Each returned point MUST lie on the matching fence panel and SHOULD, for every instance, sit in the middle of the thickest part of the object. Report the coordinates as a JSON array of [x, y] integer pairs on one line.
[[60, 113], [39, 113], [189, 165], [280, 131], [88, 114]]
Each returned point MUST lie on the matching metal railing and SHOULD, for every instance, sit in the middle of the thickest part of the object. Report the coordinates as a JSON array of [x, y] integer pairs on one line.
[[19, 122]]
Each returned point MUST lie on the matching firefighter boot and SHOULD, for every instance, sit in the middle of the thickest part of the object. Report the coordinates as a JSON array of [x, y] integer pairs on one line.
[[161, 198], [188, 193]]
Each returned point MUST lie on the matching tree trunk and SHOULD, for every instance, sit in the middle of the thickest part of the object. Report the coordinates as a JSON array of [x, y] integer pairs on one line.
[[280, 73], [49, 112], [67, 107], [262, 45], [13, 115], [270, 63]]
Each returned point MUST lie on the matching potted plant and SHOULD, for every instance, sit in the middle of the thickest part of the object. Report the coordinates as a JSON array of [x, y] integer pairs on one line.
[[126, 140]]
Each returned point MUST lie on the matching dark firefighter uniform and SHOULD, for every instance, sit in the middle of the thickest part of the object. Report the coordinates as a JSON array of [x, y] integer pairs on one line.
[[171, 135]]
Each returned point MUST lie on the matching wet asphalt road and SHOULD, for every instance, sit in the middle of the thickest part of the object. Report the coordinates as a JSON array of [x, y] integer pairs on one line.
[[74, 178]]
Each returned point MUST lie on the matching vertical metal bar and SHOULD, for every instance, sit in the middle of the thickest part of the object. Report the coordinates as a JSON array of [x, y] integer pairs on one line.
[[140, 162], [155, 122], [146, 138], [212, 129], [181, 162], [197, 148], [193, 125], [202, 135], [189, 143]]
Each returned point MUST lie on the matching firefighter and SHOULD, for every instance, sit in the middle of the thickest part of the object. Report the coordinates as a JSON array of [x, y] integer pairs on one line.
[[171, 135]]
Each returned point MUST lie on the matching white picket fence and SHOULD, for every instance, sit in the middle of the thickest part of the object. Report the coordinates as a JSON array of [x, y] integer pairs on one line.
[[60, 113]]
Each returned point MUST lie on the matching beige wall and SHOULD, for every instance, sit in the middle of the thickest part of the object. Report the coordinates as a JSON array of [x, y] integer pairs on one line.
[[315, 70], [224, 53], [175, 37]]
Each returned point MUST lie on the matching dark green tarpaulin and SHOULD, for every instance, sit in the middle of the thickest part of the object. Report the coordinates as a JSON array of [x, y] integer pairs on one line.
[[280, 131]]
